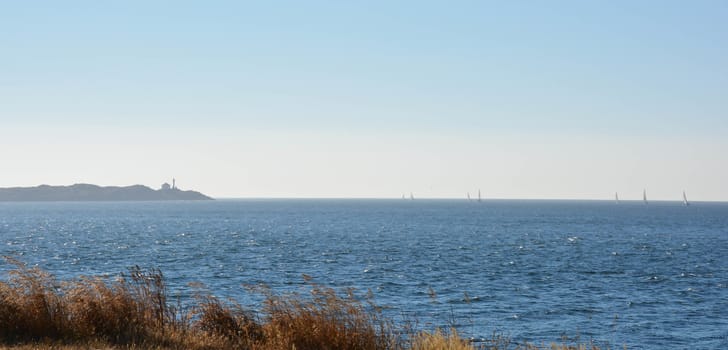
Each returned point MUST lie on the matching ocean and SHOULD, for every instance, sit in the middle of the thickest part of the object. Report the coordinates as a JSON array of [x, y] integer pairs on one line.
[[645, 276]]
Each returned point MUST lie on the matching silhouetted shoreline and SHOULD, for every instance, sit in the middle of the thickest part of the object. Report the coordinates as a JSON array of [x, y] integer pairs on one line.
[[88, 192]]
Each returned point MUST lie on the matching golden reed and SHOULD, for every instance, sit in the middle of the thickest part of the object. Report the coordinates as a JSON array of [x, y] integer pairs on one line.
[[133, 312]]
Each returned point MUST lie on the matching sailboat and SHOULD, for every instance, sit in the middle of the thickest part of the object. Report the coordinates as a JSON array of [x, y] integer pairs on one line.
[[644, 196], [479, 196], [616, 198], [402, 195], [685, 199], [468, 196], [412, 197]]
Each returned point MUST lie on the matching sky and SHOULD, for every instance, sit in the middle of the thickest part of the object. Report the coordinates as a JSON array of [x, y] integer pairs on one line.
[[369, 99]]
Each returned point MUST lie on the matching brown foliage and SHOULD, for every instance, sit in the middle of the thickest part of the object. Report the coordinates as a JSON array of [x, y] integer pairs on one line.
[[132, 312], [325, 321]]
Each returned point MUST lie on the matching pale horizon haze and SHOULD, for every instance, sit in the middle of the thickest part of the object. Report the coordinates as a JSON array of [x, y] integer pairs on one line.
[[327, 99]]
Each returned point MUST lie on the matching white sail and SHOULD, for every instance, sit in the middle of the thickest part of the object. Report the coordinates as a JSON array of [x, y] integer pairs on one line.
[[644, 196], [616, 197], [685, 199], [412, 197], [479, 196], [468, 196]]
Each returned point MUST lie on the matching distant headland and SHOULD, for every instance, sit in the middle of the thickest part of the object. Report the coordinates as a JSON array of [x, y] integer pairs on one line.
[[88, 192]]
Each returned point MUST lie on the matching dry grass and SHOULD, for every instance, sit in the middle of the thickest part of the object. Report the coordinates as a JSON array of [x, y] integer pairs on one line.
[[440, 340], [325, 321], [132, 312]]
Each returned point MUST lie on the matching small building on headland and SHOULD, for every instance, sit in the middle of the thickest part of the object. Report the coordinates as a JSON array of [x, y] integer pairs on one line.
[[166, 186]]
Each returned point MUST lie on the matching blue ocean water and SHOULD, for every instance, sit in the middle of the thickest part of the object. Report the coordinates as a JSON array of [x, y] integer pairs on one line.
[[648, 277]]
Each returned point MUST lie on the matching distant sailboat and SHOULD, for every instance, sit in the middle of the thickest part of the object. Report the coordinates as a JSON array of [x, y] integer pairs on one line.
[[479, 196], [616, 197], [468, 196], [402, 195], [412, 197], [685, 199], [644, 196]]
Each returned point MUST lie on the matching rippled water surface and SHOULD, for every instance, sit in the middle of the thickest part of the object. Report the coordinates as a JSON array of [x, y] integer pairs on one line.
[[650, 277]]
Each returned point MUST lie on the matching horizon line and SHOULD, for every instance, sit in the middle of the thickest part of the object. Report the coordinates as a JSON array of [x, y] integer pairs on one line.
[[606, 198], [466, 200]]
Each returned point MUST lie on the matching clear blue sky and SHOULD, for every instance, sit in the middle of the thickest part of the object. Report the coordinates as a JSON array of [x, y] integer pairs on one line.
[[536, 99]]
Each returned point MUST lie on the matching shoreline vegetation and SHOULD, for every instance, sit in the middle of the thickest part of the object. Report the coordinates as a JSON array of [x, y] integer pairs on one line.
[[134, 312]]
